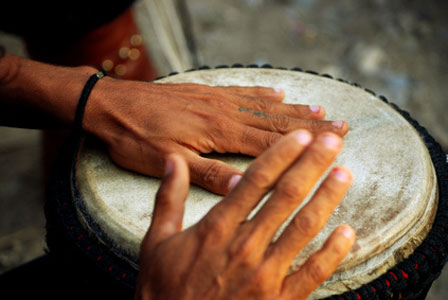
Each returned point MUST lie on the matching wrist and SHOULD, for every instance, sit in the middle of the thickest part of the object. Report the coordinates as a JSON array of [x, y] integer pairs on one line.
[[82, 102], [99, 110], [63, 90], [53, 92]]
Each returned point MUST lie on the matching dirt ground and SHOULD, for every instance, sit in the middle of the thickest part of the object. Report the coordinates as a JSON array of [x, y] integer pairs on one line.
[[397, 48]]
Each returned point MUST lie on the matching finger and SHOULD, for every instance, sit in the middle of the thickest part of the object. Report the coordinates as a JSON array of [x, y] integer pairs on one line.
[[170, 198], [260, 106], [284, 124], [261, 176], [294, 186], [256, 92], [310, 220], [247, 140], [213, 175], [320, 265]]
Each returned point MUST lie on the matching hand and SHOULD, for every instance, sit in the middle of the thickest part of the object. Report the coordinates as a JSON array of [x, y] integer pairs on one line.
[[142, 122], [226, 256]]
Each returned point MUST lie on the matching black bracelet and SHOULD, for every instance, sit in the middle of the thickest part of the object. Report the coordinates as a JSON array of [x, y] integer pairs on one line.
[[77, 124]]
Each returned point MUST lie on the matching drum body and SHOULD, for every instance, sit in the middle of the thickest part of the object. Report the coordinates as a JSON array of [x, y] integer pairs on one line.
[[395, 204]]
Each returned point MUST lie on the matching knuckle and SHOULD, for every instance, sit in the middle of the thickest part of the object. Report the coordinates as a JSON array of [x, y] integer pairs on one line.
[[315, 125], [281, 123], [270, 139], [260, 90], [317, 271], [223, 129], [330, 191], [259, 179], [211, 172], [243, 251], [218, 101], [217, 121], [306, 224], [212, 230], [320, 157], [338, 250], [291, 191], [295, 109], [262, 105]]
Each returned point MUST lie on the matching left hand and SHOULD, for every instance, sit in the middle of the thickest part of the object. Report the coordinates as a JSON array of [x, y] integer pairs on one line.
[[141, 123]]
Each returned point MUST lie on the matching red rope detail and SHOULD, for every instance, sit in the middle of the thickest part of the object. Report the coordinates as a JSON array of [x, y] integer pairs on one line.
[[374, 289], [416, 266], [99, 258], [80, 237], [110, 268], [359, 296], [387, 282], [123, 276], [405, 275], [395, 276]]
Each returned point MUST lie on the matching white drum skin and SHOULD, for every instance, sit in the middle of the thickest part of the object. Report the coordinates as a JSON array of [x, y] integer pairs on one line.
[[391, 204]]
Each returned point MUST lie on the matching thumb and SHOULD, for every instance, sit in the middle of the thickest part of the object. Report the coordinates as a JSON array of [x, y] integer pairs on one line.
[[169, 204], [213, 175]]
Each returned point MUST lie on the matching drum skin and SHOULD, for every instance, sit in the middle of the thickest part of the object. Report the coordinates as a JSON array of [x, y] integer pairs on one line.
[[391, 205]]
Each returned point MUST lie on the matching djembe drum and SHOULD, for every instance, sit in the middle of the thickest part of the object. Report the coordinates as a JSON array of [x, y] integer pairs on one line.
[[397, 204]]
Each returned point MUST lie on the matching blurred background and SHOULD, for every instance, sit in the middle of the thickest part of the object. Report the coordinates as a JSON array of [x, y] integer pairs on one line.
[[396, 48]]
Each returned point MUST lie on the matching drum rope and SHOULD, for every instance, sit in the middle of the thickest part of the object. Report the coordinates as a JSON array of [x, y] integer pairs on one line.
[[71, 244]]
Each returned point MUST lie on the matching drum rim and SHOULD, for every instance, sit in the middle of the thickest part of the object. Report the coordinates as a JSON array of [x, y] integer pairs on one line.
[[431, 255]]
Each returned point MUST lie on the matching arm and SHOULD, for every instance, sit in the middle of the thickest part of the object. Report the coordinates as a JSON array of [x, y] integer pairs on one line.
[[36, 95], [141, 122]]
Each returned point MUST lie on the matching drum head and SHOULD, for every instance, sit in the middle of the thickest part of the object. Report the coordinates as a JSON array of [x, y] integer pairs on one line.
[[391, 204]]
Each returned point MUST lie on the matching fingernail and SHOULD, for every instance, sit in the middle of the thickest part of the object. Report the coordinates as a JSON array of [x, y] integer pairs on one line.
[[303, 137], [332, 141], [234, 181], [277, 90], [315, 108], [347, 232], [169, 167], [341, 175], [338, 124]]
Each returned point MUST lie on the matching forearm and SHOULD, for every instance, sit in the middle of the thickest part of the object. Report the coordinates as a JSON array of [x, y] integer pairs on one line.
[[38, 95]]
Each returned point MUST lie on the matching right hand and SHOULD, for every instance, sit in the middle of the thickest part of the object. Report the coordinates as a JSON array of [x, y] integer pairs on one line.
[[225, 256], [143, 122]]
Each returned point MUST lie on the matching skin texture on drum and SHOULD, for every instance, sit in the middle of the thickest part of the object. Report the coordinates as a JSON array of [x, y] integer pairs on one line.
[[391, 204]]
